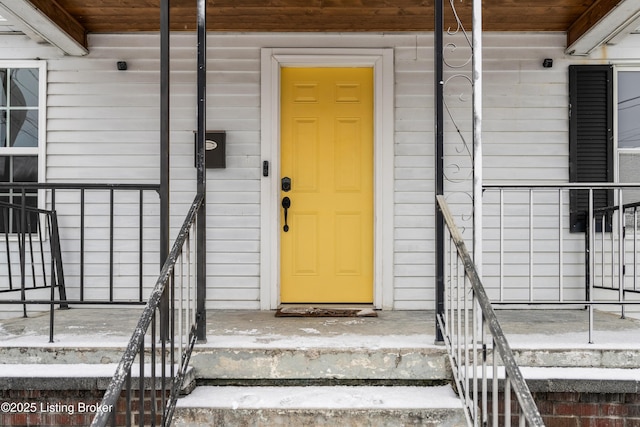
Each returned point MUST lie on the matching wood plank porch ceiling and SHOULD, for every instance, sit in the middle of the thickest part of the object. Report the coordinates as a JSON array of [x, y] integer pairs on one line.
[[106, 16], [321, 15]]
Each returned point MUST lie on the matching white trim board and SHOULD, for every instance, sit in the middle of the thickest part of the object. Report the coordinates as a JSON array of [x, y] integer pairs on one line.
[[382, 62]]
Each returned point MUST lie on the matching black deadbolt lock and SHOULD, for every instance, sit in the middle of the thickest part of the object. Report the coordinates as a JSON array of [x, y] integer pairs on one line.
[[286, 184]]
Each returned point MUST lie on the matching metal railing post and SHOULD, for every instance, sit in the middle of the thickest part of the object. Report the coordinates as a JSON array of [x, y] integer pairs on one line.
[[165, 31], [635, 248], [201, 222], [22, 244], [621, 255], [560, 249], [531, 251], [501, 253], [438, 48], [591, 230]]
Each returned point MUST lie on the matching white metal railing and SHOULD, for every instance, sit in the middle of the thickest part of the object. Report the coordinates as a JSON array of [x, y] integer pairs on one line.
[[532, 257], [470, 329], [613, 256]]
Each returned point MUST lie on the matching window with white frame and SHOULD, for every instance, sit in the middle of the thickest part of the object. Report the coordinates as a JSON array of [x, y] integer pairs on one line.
[[627, 133], [22, 121]]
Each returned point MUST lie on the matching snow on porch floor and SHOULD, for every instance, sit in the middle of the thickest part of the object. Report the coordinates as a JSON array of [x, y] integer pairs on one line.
[[525, 329]]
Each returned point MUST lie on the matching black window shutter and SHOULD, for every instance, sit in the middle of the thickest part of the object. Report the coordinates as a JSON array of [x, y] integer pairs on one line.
[[590, 137]]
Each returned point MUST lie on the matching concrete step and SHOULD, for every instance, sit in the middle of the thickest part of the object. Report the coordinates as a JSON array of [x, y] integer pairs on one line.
[[404, 362], [320, 406], [243, 360], [258, 345]]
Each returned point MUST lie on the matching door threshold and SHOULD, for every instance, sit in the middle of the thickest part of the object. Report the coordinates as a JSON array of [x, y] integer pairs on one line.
[[326, 310]]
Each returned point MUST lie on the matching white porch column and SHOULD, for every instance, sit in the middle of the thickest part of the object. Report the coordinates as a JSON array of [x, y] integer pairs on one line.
[[476, 45]]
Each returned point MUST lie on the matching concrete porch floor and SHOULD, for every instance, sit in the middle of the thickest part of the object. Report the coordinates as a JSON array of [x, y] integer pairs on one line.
[[250, 352], [525, 329], [395, 347]]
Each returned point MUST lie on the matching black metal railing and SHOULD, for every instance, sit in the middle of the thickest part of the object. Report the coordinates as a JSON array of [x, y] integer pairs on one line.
[[470, 328], [162, 363], [32, 259], [105, 235]]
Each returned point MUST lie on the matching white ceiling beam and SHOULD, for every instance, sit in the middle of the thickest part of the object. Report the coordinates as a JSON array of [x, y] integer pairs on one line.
[[605, 22], [46, 21]]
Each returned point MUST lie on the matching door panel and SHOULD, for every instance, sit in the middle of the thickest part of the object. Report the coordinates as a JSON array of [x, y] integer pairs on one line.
[[306, 173], [327, 151]]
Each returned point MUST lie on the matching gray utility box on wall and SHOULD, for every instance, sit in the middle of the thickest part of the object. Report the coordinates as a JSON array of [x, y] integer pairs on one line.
[[215, 153]]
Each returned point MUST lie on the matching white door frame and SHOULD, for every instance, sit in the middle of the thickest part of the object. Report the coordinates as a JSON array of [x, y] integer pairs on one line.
[[382, 62]]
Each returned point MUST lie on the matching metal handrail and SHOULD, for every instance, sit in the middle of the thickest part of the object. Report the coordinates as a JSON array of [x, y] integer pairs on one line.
[[564, 185], [614, 208], [463, 351], [135, 348]]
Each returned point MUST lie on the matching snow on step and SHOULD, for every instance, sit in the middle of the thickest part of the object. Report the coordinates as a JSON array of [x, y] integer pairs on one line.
[[338, 397], [320, 406], [72, 376]]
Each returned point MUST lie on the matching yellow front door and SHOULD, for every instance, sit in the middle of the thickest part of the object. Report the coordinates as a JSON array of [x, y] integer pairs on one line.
[[327, 156]]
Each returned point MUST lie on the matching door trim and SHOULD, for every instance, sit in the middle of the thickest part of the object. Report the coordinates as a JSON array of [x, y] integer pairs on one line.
[[382, 62]]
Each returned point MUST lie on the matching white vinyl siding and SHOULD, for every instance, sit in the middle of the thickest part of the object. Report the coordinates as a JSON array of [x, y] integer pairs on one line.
[[525, 140], [414, 175], [525, 114], [103, 126]]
